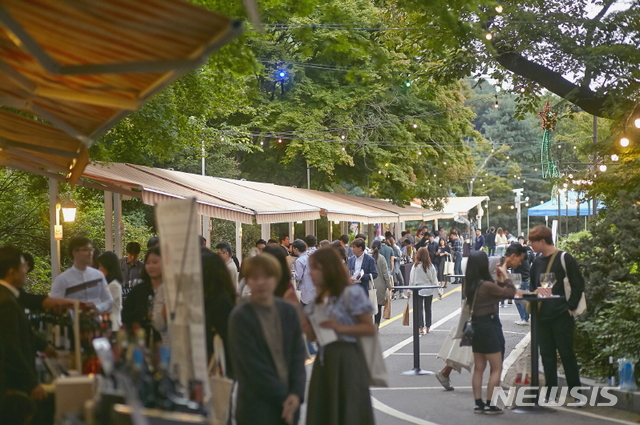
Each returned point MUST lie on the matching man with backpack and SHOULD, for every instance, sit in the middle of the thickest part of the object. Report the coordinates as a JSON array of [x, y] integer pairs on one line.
[[556, 321]]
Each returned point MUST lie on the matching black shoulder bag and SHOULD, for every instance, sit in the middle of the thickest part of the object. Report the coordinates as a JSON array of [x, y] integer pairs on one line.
[[467, 330]]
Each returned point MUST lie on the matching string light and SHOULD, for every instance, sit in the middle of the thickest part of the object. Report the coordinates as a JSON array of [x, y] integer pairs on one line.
[[261, 143], [343, 137], [615, 157], [624, 142], [419, 152], [499, 207], [415, 125], [637, 122], [603, 168], [496, 106], [488, 36], [279, 140], [499, 8]]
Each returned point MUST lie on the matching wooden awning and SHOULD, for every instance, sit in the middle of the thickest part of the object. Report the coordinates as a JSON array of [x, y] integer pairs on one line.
[[81, 66]]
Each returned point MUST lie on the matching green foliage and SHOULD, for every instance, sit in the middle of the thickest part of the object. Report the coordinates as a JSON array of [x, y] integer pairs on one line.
[[608, 257]]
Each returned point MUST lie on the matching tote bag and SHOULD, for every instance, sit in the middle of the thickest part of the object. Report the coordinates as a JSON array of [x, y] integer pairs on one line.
[[449, 267], [454, 355], [373, 294], [221, 386], [582, 304]]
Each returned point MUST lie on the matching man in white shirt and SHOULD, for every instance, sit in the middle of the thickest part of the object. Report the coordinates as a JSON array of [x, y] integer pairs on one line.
[[224, 250], [82, 282]]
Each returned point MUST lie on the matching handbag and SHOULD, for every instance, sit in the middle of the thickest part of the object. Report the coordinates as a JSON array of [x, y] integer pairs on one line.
[[372, 352], [405, 315], [467, 330], [221, 386], [582, 304], [386, 313]]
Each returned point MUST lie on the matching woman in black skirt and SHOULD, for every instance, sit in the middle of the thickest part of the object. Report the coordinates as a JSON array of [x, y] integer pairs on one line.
[[483, 295], [339, 387]]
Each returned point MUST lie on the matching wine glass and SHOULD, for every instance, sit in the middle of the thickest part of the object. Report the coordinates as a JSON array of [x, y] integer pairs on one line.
[[547, 280]]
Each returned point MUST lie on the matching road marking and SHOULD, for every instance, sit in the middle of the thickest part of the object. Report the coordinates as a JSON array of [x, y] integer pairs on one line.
[[377, 404], [394, 318], [411, 354], [513, 356], [416, 388]]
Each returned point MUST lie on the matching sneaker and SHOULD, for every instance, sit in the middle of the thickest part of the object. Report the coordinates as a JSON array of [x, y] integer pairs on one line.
[[522, 322], [480, 410], [493, 410], [444, 381]]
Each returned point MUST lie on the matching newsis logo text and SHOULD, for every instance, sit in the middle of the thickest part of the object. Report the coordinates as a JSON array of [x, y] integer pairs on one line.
[[526, 396]]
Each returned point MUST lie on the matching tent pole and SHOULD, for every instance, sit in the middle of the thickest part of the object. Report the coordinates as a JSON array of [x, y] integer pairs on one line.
[[108, 221]]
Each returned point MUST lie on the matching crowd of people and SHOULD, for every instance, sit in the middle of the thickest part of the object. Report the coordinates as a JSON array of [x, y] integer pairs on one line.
[[276, 308]]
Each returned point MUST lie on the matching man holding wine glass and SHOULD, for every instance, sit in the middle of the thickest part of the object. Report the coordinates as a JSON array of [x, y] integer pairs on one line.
[[556, 317]]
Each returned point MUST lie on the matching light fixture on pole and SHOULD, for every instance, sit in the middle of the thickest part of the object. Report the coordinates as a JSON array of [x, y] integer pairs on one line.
[[69, 209]]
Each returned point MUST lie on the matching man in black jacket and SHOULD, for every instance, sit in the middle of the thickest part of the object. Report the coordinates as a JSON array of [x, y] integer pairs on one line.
[[18, 363], [490, 240], [555, 319]]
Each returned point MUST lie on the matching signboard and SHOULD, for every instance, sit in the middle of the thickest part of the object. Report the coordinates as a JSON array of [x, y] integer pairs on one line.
[[178, 229], [57, 232]]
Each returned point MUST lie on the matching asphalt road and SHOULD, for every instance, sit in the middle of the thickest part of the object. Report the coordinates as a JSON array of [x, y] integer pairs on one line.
[[422, 400]]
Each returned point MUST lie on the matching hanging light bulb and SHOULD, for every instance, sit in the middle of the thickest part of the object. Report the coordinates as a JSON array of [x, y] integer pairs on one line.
[[624, 142], [415, 125], [222, 138], [261, 143], [488, 36], [603, 168], [419, 152], [637, 122], [343, 137], [615, 157], [344, 149], [496, 105], [512, 207], [522, 90], [499, 8], [279, 140], [570, 176], [499, 207]]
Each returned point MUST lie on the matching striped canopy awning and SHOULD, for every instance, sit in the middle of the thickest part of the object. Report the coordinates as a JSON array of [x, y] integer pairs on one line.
[[78, 67]]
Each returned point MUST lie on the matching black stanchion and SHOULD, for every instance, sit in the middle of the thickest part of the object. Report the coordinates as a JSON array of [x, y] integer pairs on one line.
[[416, 336]]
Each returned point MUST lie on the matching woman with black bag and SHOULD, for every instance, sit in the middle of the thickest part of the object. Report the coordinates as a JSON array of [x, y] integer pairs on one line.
[[483, 295]]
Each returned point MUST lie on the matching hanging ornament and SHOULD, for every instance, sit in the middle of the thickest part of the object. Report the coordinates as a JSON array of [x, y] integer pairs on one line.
[[548, 117]]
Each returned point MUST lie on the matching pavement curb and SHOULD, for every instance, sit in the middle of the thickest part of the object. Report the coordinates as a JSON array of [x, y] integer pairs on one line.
[[628, 401]]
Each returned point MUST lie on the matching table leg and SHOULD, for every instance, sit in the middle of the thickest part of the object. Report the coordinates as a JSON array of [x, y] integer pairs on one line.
[[416, 340], [535, 381]]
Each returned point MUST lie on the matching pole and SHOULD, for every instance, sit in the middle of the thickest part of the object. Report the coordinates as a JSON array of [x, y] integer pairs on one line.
[[566, 210], [308, 176], [559, 214], [239, 241], [203, 160], [118, 227], [108, 221], [54, 220], [519, 210]]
